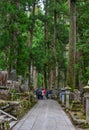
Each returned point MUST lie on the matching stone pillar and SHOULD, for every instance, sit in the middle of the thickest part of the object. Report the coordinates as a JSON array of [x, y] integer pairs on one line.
[[26, 84], [20, 79], [59, 94], [67, 96], [63, 96], [86, 88]]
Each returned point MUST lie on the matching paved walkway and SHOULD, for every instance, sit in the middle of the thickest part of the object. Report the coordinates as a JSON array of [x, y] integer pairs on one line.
[[45, 115]]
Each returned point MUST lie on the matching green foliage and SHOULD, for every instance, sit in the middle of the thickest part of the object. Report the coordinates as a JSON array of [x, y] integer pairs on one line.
[[40, 80], [3, 64], [83, 42], [14, 23], [14, 95], [15, 37]]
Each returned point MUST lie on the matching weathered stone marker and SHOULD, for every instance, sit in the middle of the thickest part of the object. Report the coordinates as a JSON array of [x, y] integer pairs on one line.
[[20, 79], [86, 88], [67, 96], [12, 75], [26, 84], [77, 95]]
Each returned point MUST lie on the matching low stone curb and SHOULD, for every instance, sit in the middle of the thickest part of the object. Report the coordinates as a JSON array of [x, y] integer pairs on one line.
[[76, 120]]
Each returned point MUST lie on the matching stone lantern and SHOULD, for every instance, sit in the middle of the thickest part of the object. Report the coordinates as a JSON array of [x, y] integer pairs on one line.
[[63, 95], [67, 89], [86, 89]]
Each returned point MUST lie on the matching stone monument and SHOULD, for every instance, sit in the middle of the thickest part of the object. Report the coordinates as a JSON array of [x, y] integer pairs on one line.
[[86, 89], [67, 95], [77, 95]]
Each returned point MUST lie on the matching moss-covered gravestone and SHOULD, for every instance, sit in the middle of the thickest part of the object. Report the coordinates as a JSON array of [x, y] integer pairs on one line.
[[76, 103], [67, 89], [86, 89]]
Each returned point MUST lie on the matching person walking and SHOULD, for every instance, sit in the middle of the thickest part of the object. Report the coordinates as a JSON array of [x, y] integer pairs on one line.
[[44, 93]]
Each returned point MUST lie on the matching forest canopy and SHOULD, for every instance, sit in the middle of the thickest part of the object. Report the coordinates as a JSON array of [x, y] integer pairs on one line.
[[47, 37]]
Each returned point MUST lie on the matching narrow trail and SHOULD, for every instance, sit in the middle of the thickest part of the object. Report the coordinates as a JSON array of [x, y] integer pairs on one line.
[[45, 115]]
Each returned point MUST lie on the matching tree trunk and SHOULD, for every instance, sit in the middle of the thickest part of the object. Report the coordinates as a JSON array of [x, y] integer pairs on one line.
[[35, 77], [31, 40], [72, 45], [54, 47], [45, 73], [55, 31]]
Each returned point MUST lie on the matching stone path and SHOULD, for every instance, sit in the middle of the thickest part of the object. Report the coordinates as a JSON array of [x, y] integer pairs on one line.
[[45, 115]]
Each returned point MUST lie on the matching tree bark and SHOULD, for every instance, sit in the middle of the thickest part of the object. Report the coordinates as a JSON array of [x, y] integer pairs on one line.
[[54, 47], [35, 77], [30, 44], [72, 45], [45, 73]]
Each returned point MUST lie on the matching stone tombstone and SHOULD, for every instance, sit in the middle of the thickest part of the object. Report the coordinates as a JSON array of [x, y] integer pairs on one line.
[[26, 84], [55, 93], [88, 82], [19, 79], [84, 103], [86, 89], [12, 75], [77, 95], [67, 90]]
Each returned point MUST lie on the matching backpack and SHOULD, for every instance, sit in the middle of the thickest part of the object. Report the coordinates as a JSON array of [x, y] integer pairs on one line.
[[40, 92]]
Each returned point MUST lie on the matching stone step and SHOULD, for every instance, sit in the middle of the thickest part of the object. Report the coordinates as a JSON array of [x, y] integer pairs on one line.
[[2, 117], [9, 119], [4, 113], [12, 123]]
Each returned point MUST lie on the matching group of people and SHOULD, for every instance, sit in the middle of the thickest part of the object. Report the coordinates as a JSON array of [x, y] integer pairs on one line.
[[43, 93]]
